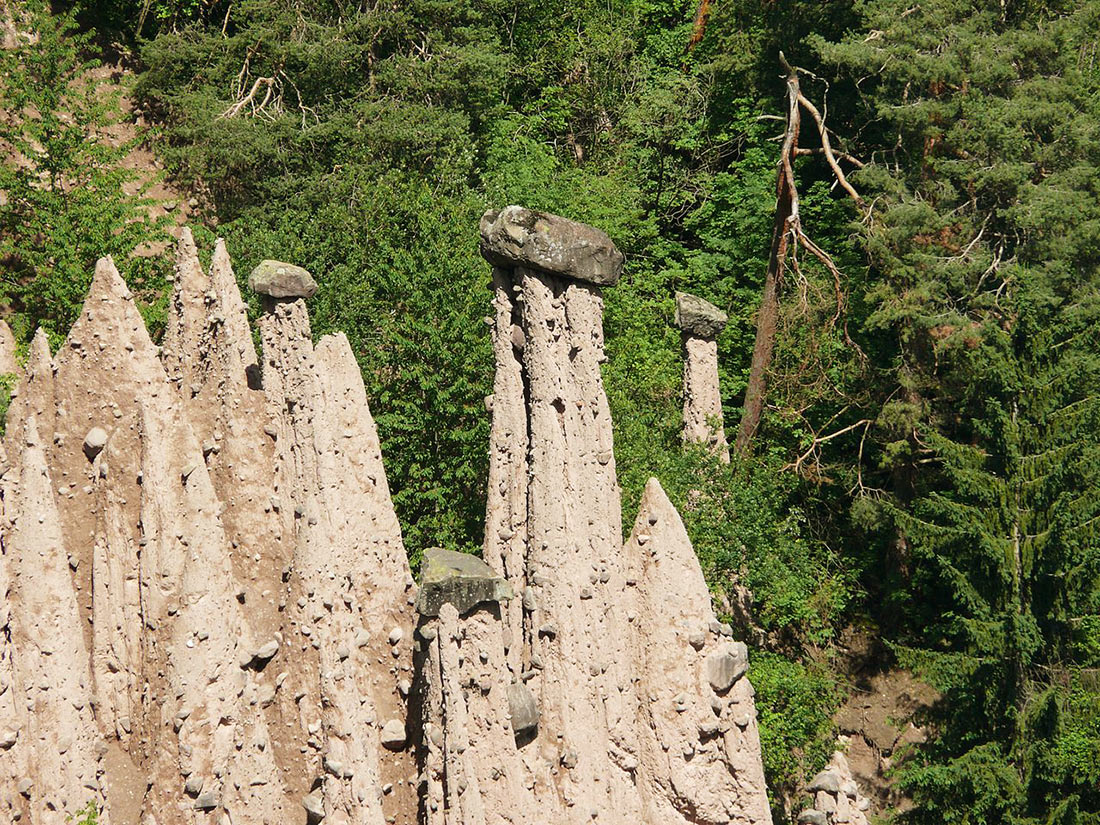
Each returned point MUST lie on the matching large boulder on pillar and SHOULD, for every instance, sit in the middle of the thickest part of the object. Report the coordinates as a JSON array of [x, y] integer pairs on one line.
[[698, 317], [281, 280], [515, 236]]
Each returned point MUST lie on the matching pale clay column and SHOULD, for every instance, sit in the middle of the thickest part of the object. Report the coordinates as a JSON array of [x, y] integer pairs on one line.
[[700, 323]]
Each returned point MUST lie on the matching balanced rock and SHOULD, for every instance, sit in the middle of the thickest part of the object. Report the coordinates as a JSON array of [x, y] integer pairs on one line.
[[282, 280], [698, 317], [459, 578], [515, 236]]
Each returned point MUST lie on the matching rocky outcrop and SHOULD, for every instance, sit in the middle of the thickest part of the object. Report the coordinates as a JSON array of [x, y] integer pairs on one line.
[[837, 798], [580, 638], [474, 713], [700, 748], [206, 609], [700, 322]]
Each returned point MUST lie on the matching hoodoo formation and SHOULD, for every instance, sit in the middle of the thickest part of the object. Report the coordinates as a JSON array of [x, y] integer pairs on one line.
[[208, 615], [700, 322]]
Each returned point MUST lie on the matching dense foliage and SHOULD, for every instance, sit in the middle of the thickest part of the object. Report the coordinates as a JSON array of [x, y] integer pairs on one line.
[[65, 200], [929, 463]]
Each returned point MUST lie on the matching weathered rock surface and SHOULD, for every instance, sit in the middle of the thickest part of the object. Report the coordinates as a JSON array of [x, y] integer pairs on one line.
[[459, 579], [280, 280], [699, 742], [206, 609], [836, 796], [699, 318], [515, 236]]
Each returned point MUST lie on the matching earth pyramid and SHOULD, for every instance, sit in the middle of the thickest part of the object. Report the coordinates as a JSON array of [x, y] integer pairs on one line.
[[208, 615]]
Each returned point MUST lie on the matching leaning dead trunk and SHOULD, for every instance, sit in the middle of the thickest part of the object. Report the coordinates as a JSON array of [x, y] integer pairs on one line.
[[786, 212]]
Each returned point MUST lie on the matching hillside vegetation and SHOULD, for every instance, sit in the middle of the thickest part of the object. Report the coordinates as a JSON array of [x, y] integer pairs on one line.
[[927, 466]]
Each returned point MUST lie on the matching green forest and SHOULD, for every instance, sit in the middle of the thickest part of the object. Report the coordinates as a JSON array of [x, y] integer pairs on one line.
[[922, 469]]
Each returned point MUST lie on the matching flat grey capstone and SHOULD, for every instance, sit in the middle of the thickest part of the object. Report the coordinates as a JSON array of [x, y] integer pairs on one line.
[[459, 578], [727, 666], [515, 236], [282, 280], [523, 708], [698, 317]]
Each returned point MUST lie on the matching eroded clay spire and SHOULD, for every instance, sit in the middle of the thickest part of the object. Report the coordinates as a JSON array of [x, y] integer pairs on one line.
[[237, 334], [56, 732], [106, 363], [212, 356], [214, 747], [187, 330], [475, 716], [700, 756], [573, 627], [350, 593], [33, 395], [8, 363]]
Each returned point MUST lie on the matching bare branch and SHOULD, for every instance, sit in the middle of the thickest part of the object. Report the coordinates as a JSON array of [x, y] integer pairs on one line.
[[827, 148]]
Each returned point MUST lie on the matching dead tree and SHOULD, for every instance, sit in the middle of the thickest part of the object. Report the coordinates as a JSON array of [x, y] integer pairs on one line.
[[787, 237]]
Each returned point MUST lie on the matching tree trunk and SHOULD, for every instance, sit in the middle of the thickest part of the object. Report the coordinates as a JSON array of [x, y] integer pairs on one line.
[[786, 217]]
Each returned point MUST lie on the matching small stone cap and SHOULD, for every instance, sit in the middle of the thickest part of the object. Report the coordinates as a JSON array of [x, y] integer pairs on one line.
[[515, 236], [698, 317], [459, 578], [281, 280]]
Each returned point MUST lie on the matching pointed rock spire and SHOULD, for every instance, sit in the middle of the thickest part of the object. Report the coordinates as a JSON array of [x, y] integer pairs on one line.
[[104, 366], [56, 735], [236, 333], [187, 331], [350, 590], [33, 395], [700, 748], [212, 355]]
